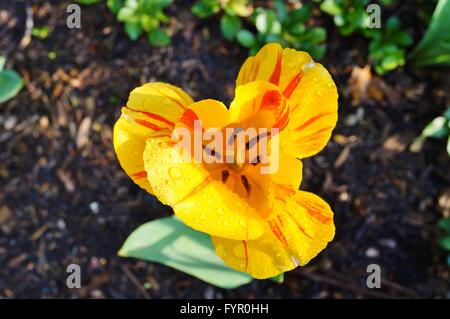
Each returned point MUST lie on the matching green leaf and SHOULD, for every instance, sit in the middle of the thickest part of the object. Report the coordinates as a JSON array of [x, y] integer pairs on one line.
[[445, 243], [88, 2], [230, 25], [246, 38], [170, 242], [239, 7], [446, 113], [126, 14], [331, 7], [114, 5], [444, 223], [266, 22], [301, 15], [10, 84], [281, 10], [448, 146], [41, 32], [133, 30], [278, 278], [204, 9], [3, 61], [158, 37], [437, 128], [434, 48]]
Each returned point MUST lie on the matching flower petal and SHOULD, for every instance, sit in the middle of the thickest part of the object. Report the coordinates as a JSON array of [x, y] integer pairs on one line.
[[197, 199], [292, 237], [258, 105], [211, 113], [152, 110], [309, 89], [313, 113], [289, 171]]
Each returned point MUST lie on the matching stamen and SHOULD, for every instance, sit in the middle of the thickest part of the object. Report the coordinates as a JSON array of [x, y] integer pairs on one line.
[[246, 184], [225, 175]]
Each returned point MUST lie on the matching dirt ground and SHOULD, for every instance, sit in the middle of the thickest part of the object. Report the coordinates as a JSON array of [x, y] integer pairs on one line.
[[64, 198]]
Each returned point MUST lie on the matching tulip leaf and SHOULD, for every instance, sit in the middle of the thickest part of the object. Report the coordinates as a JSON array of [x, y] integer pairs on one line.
[[170, 242], [10, 84], [434, 48]]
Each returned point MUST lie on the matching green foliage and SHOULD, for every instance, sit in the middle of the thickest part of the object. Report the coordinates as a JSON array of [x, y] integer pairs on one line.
[[444, 242], [10, 82], [170, 242], [207, 8], [386, 49], [40, 32], [387, 44], [280, 23], [437, 128], [140, 16], [278, 278], [434, 48]]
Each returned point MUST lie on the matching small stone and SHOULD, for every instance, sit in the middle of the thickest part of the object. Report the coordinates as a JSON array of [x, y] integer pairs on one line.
[[61, 224], [94, 207], [372, 252]]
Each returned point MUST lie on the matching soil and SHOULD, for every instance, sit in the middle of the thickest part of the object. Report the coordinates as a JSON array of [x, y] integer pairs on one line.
[[64, 198]]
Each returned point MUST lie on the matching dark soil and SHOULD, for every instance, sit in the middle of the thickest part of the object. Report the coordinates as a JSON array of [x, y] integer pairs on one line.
[[64, 198]]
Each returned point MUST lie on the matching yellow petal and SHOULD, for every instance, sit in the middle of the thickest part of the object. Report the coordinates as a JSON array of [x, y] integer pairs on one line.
[[152, 110], [313, 113], [199, 201], [211, 113], [258, 105], [309, 89], [264, 66], [289, 171], [292, 238]]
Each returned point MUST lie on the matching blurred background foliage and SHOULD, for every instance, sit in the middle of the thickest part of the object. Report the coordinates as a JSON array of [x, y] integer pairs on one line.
[[252, 25]]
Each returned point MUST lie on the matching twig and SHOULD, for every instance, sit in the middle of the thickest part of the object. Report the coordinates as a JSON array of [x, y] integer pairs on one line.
[[349, 286], [29, 23], [135, 282]]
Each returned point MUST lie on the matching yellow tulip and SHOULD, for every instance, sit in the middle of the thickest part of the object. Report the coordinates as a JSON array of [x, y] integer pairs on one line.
[[259, 223]]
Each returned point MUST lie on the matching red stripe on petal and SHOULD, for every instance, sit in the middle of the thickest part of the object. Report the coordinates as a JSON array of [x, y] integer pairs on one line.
[[245, 254], [148, 125], [276, 74], [312, 120], [290, 88], [139, 175], [153, 116]]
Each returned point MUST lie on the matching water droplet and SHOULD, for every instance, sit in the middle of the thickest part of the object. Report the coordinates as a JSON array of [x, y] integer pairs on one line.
[[220, 211], [243, 223], [320, 91], [309, 65], [202, 216], [175, 172], [159, 170]]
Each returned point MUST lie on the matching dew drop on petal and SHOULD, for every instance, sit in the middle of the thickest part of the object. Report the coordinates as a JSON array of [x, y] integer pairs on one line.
[[175, 172]]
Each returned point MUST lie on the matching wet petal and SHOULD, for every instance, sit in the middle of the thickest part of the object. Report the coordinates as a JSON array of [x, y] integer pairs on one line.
[[196, 198], [292, 237], [152, 110]]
